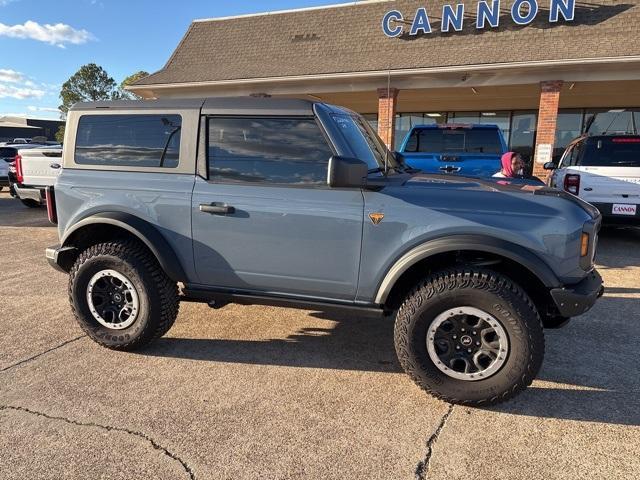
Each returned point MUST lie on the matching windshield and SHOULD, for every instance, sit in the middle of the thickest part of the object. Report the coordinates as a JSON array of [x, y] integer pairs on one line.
[[448, 140], [365, 143], [612, 152]]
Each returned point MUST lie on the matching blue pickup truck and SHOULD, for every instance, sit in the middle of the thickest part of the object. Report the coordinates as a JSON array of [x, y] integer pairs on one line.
[[464, 149]]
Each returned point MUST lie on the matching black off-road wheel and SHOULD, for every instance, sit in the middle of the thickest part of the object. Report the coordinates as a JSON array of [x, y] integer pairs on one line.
[[469, 336], [120, 295]]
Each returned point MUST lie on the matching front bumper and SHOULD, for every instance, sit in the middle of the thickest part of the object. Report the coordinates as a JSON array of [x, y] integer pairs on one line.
[[610, 219], [574, 300]]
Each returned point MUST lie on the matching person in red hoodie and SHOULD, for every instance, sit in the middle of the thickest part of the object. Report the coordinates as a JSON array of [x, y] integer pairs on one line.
[[512, 166]]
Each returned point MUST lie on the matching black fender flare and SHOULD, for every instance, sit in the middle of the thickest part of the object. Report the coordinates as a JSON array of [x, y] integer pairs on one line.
[[141, 229], [478, 243]]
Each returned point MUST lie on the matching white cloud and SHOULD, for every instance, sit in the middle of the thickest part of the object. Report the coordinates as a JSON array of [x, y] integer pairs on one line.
[[58, 34], [32, 108], [8, 75], [18, 85], [20, 93]]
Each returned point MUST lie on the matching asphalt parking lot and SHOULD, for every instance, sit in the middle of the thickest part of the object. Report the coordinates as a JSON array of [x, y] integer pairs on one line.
[[261, 392]]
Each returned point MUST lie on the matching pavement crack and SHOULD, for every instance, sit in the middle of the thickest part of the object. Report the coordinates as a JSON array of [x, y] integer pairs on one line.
[[188, 470], [38, 355], [422, 470]]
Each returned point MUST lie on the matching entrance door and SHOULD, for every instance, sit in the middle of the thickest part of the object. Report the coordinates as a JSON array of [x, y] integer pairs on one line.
[[266, 221]]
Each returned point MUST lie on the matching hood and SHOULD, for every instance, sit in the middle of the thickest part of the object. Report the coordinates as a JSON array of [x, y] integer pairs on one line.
[[502, 185], [474, 183]]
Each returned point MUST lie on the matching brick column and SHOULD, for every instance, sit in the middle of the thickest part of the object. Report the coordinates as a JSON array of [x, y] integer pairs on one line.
[[387, 100], [547, 119]]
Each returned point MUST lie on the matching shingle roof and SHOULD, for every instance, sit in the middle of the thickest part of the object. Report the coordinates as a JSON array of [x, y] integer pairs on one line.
[[350, 39]]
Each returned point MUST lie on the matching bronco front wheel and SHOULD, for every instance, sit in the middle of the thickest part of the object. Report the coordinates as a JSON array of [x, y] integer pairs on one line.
[[469, 336]]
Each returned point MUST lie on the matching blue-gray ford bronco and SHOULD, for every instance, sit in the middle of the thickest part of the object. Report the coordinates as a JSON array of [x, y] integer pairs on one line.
[[299, 204]]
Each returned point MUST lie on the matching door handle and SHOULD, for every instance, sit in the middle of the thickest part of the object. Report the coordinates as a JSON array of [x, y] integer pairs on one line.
[[217, 208], [55, 165]]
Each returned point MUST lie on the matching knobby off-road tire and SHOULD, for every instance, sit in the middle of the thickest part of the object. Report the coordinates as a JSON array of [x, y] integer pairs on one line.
[[156, 295], [442, 294]]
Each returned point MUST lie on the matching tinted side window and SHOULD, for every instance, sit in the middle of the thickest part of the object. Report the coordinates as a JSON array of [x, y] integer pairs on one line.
[[268, 150], [129, 140]]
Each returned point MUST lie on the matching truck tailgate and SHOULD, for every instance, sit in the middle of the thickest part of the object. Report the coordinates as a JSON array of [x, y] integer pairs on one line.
[[462, 164], [609, 184], [40, 167]]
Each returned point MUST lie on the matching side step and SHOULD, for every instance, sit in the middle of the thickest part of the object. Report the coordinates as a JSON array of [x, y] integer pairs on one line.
[[217, 299]]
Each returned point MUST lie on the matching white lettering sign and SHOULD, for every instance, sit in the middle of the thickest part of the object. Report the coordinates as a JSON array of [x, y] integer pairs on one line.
[[543, 153], [522, 12]]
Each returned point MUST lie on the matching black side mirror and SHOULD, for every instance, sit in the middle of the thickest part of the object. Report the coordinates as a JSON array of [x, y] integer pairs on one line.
[[347, 172], [550, 166]]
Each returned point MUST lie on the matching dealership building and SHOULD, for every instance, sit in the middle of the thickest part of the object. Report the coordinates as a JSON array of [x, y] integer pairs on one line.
[[20, 127], [536, 68]]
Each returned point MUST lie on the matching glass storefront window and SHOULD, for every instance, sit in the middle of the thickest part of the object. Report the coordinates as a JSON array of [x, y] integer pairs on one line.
[[613, 121], [519, 127], [501, 119], [372, 119], [406, 121], [569, 126], [523, 134]]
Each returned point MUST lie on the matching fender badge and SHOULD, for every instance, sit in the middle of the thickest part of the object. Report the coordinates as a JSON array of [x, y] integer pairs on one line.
[[376, 218]]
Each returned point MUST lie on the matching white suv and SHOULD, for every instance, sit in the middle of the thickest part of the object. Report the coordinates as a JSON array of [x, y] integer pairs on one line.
[[604, 170]]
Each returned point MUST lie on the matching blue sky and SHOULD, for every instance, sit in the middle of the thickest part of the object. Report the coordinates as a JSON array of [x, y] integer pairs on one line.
[[44, 42]]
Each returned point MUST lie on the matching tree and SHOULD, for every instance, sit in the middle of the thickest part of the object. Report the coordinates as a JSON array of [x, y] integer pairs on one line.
[[89, 84], [126, 94], [60, 134]]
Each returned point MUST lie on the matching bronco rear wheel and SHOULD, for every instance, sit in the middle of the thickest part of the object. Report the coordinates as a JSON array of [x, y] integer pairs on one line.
[[120, 295], [469, 337]]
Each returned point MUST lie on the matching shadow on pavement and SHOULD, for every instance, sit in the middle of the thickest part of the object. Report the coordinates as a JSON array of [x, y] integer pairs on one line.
[[619, 408], [593, 357], [364, 344], [619, 247], [14, 214]]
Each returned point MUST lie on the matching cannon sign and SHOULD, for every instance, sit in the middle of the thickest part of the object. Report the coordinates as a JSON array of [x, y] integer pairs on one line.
[[523, 12]]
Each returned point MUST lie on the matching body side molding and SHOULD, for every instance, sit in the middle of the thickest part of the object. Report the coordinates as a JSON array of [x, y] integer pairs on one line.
[[478, 243], [143, 230]]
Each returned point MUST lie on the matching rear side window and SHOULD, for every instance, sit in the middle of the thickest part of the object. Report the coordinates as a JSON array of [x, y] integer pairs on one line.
[[267, 150], [129, 140], [612, 152], [444, 140]]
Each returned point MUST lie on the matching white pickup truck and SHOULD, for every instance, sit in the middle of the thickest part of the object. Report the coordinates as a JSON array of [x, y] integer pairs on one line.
[[603, 170], [34, 170]]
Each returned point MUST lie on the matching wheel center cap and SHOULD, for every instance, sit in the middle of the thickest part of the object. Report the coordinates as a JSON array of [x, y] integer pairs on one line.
[[466, 340], [117, 297]]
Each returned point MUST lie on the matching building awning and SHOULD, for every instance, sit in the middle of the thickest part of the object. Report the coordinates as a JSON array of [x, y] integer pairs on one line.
[[15, 122]]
